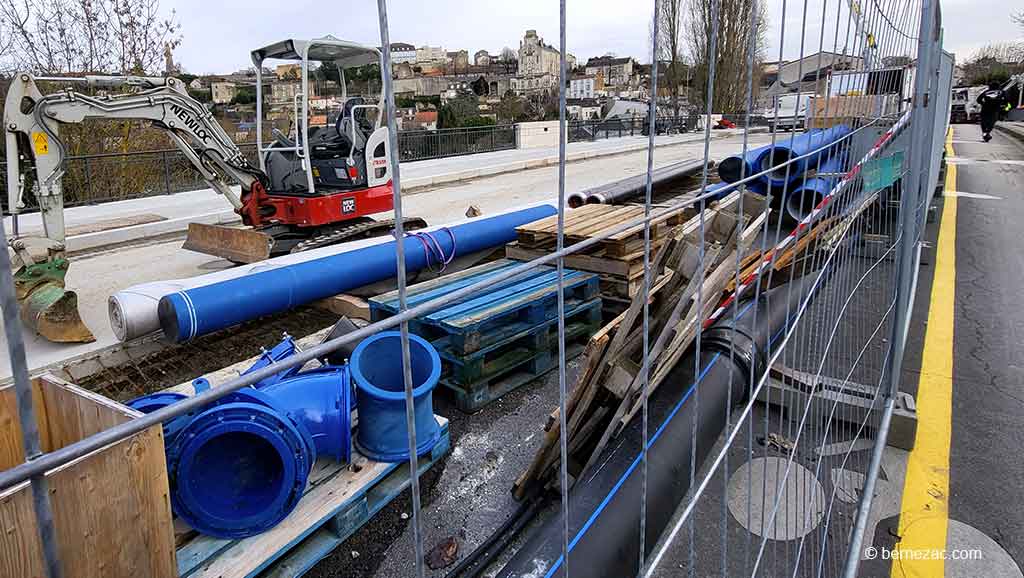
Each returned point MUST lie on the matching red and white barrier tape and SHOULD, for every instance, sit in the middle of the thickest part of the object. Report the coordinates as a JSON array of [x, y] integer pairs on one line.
[[807, 221]]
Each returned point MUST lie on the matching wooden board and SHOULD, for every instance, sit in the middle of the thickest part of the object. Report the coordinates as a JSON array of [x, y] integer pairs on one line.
[[111, 509]]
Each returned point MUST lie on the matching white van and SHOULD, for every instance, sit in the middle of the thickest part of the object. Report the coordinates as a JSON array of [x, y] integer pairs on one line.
[[788, 111]]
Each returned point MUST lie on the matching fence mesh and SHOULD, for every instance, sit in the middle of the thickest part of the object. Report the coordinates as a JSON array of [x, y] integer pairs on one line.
[[729, 418]]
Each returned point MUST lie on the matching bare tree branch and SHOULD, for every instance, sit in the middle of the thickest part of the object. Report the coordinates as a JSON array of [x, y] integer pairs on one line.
[[85, 36]]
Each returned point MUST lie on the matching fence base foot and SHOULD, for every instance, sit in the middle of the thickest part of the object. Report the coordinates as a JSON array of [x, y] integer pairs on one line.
[[846, 401]]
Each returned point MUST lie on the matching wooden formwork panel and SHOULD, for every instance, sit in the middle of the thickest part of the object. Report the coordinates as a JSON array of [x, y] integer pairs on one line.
[[111, 508]]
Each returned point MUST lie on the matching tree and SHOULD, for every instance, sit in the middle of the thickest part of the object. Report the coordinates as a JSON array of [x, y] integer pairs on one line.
[[1018, 18], [83, 36], [509, 60], [511, 108], [737, 21], [670, 51], [994, 63]]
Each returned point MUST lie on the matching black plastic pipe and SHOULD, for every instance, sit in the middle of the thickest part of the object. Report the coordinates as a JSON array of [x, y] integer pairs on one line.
[[604, 505], [621, 190]]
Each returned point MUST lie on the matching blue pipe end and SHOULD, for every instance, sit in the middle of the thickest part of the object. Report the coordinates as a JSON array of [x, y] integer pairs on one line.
[[241, 466], [376, 366], [238, 469]]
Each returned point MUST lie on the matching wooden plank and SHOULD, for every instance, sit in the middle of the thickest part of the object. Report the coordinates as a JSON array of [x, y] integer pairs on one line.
[[593, 263], [346, 305]]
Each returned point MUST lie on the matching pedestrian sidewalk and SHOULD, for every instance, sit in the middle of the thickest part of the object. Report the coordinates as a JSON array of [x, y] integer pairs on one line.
[[108, 224]]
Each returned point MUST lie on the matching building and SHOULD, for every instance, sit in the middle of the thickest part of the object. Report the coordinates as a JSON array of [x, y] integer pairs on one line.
[[534, 84], [810, 74], [430, 54], [617, 72], [536, 57], [582, 109], [284, 92], [403, 70], [223, 92], [426, 120], [402, 52], [459, 60], [482, 58], [288, 71], [584, 87], [196, 84]]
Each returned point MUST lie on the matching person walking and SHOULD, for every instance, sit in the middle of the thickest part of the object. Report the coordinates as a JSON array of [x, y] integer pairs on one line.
[[992, 102]]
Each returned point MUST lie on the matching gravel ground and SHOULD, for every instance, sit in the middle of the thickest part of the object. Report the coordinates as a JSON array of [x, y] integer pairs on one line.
[[466, 495]]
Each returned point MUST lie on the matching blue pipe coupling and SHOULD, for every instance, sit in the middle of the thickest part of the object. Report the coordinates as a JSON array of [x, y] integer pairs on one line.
[[377, 370], [241, 465]]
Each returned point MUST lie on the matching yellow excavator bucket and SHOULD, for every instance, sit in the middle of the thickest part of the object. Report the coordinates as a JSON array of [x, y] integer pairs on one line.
[[241, 245]]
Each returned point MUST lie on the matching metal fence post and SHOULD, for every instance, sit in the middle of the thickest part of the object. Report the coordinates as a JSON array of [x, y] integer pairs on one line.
[[923, 108], [88, 179], [26, 413]]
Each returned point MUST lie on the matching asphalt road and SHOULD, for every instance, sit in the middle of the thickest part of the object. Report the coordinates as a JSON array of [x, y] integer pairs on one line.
[[987, 401]]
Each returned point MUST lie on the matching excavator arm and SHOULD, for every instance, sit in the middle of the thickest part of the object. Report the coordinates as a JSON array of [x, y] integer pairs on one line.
[[36, 155]]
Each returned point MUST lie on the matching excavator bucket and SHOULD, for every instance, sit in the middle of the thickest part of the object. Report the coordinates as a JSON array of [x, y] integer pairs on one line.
[[241, 245], [48, 308], [53, 313]]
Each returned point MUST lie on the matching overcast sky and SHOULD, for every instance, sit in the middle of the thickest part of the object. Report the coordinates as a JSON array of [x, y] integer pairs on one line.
[[219, 34]]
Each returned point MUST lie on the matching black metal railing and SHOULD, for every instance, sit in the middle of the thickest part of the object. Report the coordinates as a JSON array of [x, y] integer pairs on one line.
[[415, 145], [101, 178], [591, 130]]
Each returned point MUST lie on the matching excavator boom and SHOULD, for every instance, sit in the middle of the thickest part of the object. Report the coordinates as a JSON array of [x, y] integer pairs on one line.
[[32, 135]]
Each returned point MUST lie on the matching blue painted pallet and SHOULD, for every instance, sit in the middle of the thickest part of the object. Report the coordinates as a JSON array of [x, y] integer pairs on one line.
[[494, 315], [339, 500], [532, 344]]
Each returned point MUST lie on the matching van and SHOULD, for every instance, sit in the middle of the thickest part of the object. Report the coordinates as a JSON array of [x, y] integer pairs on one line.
[[787, 112]]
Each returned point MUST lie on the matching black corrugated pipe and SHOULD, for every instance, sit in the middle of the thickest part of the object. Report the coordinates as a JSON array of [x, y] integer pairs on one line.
[[605, 504], [620, 191]]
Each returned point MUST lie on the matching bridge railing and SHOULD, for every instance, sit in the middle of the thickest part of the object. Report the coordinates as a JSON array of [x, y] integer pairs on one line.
[[105, 177]]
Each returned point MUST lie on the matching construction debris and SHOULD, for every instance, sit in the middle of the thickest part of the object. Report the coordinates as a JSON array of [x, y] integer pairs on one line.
[[607, 393]]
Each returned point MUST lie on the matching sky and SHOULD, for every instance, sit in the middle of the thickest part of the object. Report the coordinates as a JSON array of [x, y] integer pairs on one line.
[[218, 35]]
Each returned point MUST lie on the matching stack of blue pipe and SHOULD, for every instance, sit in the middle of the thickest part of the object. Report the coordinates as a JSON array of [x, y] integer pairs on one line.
[[784, 169]]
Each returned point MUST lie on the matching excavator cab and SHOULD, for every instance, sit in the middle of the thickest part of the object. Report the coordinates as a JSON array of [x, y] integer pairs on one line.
[[328, 173]]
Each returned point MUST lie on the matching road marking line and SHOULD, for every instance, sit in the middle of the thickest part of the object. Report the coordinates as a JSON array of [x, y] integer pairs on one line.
[[971, 195], [924, 512], [953, 160]]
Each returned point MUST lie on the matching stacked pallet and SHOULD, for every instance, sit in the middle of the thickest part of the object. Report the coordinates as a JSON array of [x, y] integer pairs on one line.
[[498, 340], [607, 392], [619, 260]]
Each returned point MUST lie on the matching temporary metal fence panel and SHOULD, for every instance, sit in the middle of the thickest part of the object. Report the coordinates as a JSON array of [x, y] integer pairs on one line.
[[759, 454]]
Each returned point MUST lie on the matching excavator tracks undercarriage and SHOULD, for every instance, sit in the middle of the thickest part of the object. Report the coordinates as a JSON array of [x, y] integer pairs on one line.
[[351, 231]]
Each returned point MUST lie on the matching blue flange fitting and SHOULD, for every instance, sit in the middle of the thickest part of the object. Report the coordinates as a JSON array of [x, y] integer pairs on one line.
[[376, 366], [240, 466]]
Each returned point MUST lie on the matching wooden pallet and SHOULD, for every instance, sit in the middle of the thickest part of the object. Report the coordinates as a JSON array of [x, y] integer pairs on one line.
[[339, 500], [529, 344], [493, 316], [589, 221], [473, 397]]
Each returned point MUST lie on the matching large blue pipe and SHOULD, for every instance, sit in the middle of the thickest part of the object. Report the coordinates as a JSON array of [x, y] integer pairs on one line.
[[241, 466], [377, 371], [732, 169], [802, 199], [190, 313], [798, 146]]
